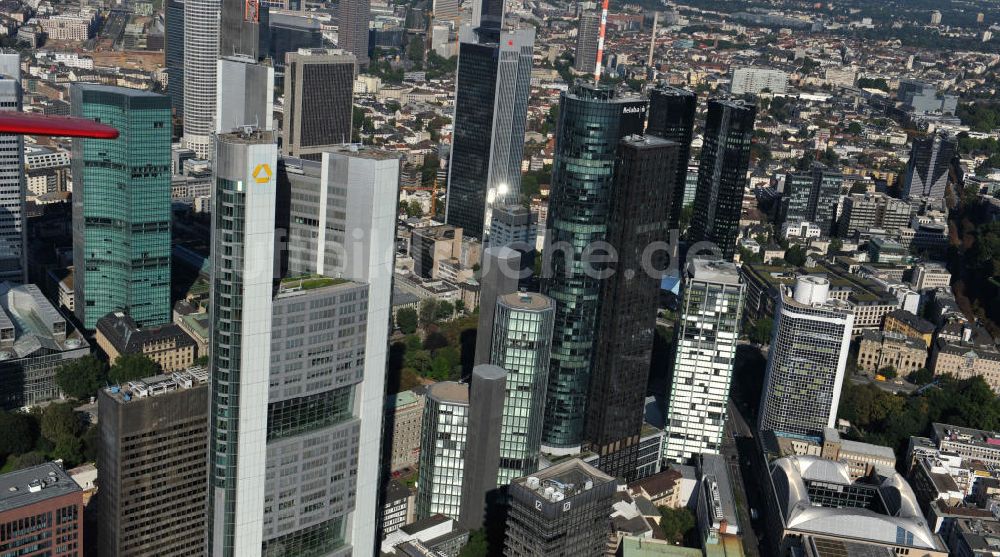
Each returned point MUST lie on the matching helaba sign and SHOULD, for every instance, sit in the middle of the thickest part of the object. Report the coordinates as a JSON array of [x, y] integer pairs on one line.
[[637, 109], [262, 173]]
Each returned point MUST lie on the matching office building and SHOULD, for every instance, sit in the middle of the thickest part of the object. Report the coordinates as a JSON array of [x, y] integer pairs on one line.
[[446, 10], [431, 246], [35, 339], [812, 197], [491, 104], [516, 227], [487, 394], [41, 512], [639, 213], [121, 206], [878, 350], [754, 81], [561, 510], [201, 51], [522, 340], [814, 507], [319, 93], [357, 244], [501, 266], [353, 17], [864, 211], [289, 33], [173, 22], [928, 168], [246, 94], [722, 174], [807, 359], [671, 116], [930, 275], [167, 345], [241, 306], [153, 438], [707, 336], [592, 122], [487, 13], [243, 29], [395, 509], [442, 450], [13, 232], [407, 414], [588, 31]]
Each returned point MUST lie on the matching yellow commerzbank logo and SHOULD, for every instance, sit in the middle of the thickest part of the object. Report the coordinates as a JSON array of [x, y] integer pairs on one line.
[[262, 173]]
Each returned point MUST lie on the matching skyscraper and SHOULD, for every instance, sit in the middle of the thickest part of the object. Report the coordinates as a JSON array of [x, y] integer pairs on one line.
[[522, 340], [488, 13], [812, 197], [927, 169], [807, 358], [491, 104], [561, 510], [289, 33], [442, 450], [174, 53], [243, 29], [352, 20], [357, 243], [152, 437], [588, 32], [707, 336], [13, 233], [499, 278], [487, 389], [243, 204], [319, 101], [121, 206], [201, 50], [639, 211], [671, 116], [722, 174], [592, 121], [246, 94]]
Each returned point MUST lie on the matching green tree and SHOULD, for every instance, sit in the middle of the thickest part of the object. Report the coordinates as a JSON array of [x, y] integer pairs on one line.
[[889, 372], [415, 52], [444, 311], [676, 523], [795, 255], [427, 311], [60, 420], [460, 306], [855, 128], [477, 546], [201, 360], [129, 367], [406, 319], [835, 246], [69, 449], [28, 460], [82, 377], [413, 209], [922, 376], [760, 331], [20, 433]]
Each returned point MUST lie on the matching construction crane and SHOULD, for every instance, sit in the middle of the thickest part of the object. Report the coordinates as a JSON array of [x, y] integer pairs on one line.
[[432, 188]]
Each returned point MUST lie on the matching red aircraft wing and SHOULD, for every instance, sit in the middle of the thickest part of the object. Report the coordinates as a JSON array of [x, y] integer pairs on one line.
[[33, 123]]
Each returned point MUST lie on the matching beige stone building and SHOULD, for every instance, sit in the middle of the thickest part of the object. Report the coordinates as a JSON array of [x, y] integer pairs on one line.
[[962, 360], [405, 410], [167, 345], [881, 349]]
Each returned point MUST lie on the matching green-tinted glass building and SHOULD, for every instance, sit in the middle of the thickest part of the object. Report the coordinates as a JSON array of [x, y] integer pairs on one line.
[[121, 206], [592, 121]]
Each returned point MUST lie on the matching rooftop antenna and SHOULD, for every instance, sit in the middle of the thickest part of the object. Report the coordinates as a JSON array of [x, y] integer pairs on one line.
[[600, 41]]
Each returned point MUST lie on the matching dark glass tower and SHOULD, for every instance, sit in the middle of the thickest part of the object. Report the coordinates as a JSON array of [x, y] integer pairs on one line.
[[353, 17], [927, 169], [722, 175], [244, 29], [645, 175], [319, 97], [174, 24], [592, 121], [812, 197], [671, 116], [491, 107], [587, 41]]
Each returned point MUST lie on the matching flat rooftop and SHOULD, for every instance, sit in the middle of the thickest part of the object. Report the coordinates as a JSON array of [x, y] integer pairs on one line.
[[450, 392], [158, 384], [569, 478], [527, 300], [713, 270], [33, 485]]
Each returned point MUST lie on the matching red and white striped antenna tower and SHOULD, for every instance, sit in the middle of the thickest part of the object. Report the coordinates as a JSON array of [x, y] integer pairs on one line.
[[600, 41]]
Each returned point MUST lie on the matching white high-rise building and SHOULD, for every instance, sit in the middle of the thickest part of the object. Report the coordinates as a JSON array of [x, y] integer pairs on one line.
[[246, 94], [806, 360], [12, 182], [703, 368], [201, 52], [756, 80]]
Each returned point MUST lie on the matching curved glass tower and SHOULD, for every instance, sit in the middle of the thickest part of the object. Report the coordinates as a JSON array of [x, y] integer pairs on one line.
[[592, 120], [201, 51]]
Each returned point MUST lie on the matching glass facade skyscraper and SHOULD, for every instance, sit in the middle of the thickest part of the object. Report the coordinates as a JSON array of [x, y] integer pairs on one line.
[[812, 197], [522, 338], [722, 174], [173, 15], [491, 107], [639, 211], [13, 239], [671, 116], [592, 121], [707, 336], [927, 170], [121, 206], [806, 360], [443, 440]]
